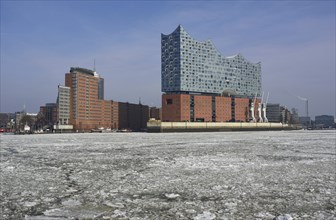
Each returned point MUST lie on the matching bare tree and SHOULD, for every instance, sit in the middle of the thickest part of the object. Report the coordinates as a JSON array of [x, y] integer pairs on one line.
[[41, 121], [27, 120]]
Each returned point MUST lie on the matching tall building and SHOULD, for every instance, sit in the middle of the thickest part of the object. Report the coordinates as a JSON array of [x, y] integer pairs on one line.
[[188, 66], [63, 105], [201, 84], [87, 110]]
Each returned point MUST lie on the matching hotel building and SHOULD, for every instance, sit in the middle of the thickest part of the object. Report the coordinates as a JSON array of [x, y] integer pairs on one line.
[[200, 84]]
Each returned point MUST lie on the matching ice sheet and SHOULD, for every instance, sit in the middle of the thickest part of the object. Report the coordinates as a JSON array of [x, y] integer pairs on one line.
[[225, 175]]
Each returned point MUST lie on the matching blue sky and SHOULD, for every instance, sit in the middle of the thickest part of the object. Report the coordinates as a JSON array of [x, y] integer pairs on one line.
[[41, 40]]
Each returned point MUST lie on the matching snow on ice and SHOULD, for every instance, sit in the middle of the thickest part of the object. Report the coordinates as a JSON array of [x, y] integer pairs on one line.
[[279, 175]]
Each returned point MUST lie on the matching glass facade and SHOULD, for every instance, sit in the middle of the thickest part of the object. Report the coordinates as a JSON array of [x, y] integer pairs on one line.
[[191, 66]]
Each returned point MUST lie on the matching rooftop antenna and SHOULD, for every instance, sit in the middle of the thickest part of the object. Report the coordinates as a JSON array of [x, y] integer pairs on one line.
[[24, 108], [139, 100], [94, 68], [94, 65]]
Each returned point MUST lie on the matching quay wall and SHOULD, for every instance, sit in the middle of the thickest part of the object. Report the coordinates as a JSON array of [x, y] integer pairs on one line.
[[158, 126]]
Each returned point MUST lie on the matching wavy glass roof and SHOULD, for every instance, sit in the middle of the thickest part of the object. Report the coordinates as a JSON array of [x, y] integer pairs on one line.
[[191, 66]]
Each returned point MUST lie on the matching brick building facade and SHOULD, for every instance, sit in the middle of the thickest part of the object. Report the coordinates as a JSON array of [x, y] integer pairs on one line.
[[175, 107], [202, 85], [155, 113], [88, 111], [223, 108], [132, 116], [206, 108]]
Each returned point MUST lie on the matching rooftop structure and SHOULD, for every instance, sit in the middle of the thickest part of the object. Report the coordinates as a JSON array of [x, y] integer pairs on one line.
[[83, 70], [191, 66]]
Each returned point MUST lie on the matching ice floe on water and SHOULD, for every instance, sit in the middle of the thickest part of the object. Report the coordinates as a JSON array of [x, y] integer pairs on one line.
[[283, 175], [284, 217], [205, 216], [172, 196]]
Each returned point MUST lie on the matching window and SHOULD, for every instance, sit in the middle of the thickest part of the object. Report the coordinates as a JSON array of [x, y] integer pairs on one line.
[[169, 101]]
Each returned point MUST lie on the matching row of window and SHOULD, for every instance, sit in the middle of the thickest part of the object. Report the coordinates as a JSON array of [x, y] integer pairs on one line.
[[194, 56]]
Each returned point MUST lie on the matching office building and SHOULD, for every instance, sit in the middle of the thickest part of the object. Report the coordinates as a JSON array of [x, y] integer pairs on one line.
[[63, 105], [49, 111], [63, 110], [201, 84], [325, 121], [273, 112], [87, 110]]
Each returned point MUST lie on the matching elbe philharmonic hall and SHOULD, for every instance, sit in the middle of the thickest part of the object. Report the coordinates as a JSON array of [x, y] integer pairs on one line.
[[200, 84]]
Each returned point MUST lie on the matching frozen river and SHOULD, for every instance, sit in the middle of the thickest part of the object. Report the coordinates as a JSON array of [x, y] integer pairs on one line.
[[229, 175]]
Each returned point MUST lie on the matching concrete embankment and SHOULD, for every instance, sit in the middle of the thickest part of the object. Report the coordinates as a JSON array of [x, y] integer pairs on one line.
[[158, 126]]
